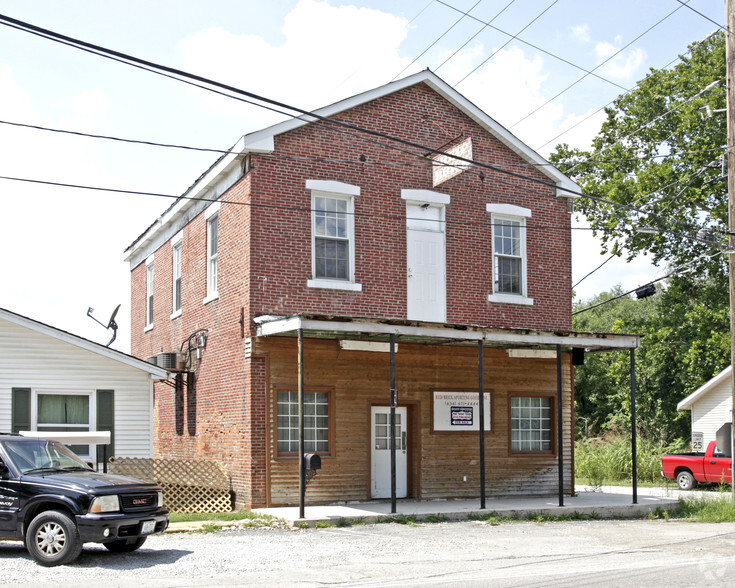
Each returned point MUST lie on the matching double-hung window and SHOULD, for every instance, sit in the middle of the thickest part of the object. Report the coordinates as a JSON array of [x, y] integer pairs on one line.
[[176, 276], [509, 256], [316, 422], [333, 235], [149, 275], [212, 217], [530, 418]]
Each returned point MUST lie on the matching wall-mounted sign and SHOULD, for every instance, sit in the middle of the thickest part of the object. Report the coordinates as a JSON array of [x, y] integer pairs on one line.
[[459, 411]]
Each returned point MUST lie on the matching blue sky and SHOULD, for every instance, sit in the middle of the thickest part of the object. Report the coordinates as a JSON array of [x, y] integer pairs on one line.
[[63, 247]]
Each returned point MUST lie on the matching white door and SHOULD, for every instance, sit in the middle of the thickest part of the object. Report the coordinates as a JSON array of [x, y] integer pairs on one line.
[[426, 270], [380, 485]]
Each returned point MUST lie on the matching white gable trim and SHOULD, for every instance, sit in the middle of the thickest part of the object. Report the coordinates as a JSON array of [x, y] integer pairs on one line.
[[703, 390], [155, 372]]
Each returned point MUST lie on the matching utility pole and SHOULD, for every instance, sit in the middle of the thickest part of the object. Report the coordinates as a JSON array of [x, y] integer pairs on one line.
[[730, 79]]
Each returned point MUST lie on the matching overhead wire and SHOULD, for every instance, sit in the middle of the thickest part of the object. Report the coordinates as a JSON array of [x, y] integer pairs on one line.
[[598, 66], [508, 42], [439, 38], [268, 103], [468, 41]]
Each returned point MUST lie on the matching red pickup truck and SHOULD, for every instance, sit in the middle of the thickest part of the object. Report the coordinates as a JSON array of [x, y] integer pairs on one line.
[[689, 468]]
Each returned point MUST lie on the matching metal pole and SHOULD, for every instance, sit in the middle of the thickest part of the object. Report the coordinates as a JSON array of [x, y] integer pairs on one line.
[[481, 387], [729, 64], [392, 446], [633, 434], [302, 472], [559, 426]]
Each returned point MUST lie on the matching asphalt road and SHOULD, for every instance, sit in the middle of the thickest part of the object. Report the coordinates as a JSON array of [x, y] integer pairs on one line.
[[583, 553]]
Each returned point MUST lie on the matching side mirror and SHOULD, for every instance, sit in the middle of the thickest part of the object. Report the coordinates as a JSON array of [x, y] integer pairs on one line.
[[3, 467]]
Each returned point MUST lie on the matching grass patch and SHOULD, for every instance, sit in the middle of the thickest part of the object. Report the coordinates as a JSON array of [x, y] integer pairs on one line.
[[194, 517], [608, 460], [719, 509]]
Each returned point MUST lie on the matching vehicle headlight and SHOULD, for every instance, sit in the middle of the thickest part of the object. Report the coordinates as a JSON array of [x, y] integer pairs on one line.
[[109, 503], [160, 498]]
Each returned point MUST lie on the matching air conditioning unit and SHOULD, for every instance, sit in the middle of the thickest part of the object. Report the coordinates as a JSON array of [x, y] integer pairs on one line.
[[168, 361], [152, 360]]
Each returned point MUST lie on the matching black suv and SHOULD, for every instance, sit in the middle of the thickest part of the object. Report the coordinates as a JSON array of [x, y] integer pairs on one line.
[[54, 502]]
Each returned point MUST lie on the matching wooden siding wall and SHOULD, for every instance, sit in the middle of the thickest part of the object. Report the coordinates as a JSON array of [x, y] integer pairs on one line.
[[29, 359], [438, 462]]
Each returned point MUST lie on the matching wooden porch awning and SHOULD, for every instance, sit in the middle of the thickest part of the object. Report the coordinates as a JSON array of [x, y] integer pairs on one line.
[[371, 329]]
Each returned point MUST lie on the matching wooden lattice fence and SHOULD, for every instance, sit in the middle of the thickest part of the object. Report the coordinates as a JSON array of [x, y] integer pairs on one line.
[[189, 485]]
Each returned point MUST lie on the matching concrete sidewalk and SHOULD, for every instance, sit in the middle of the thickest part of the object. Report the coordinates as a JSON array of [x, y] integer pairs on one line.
[[607, 502]]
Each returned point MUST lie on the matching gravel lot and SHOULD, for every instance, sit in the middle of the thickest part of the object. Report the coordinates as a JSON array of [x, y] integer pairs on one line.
[[589, 553]]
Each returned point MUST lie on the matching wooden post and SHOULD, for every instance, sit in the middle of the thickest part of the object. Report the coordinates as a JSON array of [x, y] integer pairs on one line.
[[729, 64]]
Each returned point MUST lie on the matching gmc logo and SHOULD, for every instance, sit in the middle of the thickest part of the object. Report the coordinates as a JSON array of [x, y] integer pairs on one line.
[[139, 501]]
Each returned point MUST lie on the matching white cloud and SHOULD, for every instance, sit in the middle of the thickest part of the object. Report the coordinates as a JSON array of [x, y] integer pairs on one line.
[[324, 48], [624, 65], [581, 33]]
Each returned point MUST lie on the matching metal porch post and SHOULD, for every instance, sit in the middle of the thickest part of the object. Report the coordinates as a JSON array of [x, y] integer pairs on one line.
[[393, 401], [481, 387], [302, 472], [559, 425], [633, 434]]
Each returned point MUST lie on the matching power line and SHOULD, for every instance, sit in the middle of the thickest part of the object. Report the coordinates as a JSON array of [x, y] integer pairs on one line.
[[484, 26], [648, 30], [270, 103], [513, 37], [439, 38], [536, 47]]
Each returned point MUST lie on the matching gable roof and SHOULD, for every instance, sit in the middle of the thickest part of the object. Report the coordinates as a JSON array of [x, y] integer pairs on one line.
[[81, 342], [705, 389], [227, 169]]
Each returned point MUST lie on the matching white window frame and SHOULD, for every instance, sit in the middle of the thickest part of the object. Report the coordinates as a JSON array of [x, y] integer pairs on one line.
[[517, 214], [211, 216], [150, 275], [347, 193], [321, 446], [92, 416], [176, 273], [522, 439]]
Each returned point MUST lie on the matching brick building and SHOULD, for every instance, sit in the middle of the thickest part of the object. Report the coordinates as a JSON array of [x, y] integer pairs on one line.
[[388, 275]]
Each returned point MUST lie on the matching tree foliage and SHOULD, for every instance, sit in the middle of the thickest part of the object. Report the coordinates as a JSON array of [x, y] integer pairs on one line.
[[656, 163], [685, 341]]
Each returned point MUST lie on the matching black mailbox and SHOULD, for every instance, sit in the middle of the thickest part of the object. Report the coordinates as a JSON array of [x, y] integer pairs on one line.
[[312, 461]]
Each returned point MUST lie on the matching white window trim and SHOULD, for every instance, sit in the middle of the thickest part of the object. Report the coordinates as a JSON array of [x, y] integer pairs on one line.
[[149, 268], [92, 416], [519, 214], [176, 241], [423, 196], [348, 192], [210, 214]]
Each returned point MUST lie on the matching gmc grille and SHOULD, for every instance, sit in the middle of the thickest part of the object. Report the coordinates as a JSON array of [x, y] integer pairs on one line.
[[138, 502]]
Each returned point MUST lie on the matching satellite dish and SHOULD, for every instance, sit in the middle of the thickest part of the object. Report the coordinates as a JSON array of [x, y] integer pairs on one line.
[[111, 324]]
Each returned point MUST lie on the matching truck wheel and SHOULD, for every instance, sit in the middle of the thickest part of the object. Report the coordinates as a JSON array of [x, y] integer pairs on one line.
[[52, 539], [685, 480], [125, 545]]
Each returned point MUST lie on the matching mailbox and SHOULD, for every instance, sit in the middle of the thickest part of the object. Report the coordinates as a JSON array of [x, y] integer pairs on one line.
[[312, 461]]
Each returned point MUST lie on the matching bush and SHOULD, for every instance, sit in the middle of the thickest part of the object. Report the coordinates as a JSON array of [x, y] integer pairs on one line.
[[608, 460]]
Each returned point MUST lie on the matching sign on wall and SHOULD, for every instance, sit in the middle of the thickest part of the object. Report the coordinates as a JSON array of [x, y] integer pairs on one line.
[[459, 411]]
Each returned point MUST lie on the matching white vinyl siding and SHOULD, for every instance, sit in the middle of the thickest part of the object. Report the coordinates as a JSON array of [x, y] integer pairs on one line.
[[33, 360], [712, 410]]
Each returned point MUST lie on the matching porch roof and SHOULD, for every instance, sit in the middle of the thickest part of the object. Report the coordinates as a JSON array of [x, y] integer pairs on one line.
[[375, 329]]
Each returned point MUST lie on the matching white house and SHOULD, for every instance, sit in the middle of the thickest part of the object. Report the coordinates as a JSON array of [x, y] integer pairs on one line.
[[711, 406], [53, 380]]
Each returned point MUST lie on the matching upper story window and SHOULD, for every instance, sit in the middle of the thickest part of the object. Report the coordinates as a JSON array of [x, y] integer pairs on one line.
[[510, 262], [176, 275], [212, 217], [333, 235], [149, 275]]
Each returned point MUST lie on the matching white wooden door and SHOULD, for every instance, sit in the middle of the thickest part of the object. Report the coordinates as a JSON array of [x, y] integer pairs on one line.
[[426, 272], [380, 437]]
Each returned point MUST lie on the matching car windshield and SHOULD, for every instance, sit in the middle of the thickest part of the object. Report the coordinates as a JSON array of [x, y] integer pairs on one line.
[[39, 455]]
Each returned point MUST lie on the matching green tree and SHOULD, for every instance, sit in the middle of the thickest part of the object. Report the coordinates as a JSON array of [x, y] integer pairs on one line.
[[656, 163], [685, 341]]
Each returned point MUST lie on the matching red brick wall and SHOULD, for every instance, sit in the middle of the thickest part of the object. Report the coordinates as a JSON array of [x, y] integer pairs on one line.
[[281, 263], [264, 262]]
